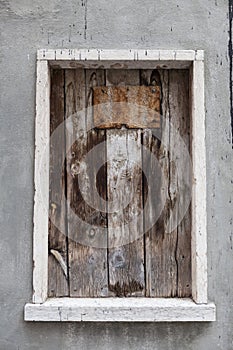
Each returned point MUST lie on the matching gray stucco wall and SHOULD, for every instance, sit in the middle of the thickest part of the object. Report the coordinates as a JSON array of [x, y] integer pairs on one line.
[[183, 24]]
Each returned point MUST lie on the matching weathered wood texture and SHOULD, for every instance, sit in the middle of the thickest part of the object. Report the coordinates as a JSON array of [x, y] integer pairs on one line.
[[108, 255], [88, 266], [168, 261], [132, 106], [124, 190], [180, 176], [57, 278]]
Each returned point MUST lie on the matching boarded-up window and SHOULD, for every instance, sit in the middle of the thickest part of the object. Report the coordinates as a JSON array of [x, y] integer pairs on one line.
[[113, 162]]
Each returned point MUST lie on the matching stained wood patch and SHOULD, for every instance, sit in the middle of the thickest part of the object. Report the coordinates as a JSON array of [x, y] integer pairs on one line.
[[132, 106]]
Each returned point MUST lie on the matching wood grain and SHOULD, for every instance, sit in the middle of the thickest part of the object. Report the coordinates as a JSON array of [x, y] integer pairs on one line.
[[168, 254], [57, 281], [124, 190], [121, 272], [88, 267], [180, 175], [160, 263]]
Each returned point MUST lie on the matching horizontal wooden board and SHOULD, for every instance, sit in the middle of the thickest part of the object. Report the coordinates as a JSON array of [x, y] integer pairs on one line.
[[120, 310], [132, 106]]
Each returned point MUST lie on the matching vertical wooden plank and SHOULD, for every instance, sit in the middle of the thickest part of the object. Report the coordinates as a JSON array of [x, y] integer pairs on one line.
[[167, 254], [180, 176], [88, 265], [161, 268], [124, 190], [151, 195], [41, 198], [77, 140], [97, 216], [58, 277], [199, 224]]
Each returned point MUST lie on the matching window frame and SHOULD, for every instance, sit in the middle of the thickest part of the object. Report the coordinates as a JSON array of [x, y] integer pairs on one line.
[[144, 309]]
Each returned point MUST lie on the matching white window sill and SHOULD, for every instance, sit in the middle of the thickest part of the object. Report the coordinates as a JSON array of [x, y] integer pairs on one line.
[[120, 310]]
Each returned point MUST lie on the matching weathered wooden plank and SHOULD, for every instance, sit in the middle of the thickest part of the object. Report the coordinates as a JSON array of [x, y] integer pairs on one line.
[[168, 254], [57, 280], [96, 55], [132, 106], [88, 267], [199, 217], [97, 216], [41, 197], [124, 191], [161, 268], [139, 64], [180, 176], [120, 310]]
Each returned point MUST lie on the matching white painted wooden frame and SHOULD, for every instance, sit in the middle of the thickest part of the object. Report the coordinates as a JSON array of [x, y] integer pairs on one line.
[[123, 309]]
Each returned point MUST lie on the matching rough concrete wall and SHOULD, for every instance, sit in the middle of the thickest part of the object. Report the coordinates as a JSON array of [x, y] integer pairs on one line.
[[183, 24]]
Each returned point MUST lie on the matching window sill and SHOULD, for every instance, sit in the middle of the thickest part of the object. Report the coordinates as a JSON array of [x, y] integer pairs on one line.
[[120, 310]]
